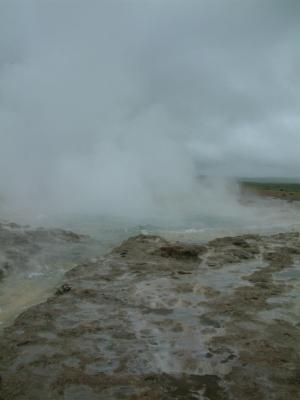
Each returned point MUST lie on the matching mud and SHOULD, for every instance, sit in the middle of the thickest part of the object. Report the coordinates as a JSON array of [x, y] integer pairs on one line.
[[159, 320]]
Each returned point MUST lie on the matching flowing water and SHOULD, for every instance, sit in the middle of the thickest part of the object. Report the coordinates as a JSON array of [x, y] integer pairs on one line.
[[26, 288]]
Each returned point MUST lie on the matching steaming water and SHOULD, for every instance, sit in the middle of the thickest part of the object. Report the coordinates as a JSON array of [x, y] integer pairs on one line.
[[27, 288], [265, 217]]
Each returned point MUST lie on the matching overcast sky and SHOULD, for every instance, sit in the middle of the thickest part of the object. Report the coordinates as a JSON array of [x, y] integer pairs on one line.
[[146, 91]]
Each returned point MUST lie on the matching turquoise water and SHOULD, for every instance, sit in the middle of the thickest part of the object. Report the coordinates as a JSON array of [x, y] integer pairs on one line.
[[264, 217]]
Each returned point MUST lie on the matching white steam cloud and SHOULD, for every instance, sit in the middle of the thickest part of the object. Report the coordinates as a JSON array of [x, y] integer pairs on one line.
[[113, 106]]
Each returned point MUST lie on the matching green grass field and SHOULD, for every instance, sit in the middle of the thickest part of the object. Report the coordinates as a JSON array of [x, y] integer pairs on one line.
[[284, 190]]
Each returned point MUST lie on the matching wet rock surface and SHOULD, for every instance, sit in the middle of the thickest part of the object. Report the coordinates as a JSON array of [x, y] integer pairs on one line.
[[22, 247], [158, 320]]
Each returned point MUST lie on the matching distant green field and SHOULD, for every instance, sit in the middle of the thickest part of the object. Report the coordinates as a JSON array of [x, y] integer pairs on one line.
[[282, 187], [283, 190]]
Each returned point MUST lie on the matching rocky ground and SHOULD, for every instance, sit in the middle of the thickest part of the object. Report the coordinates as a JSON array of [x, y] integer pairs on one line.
[[21, 248], [33, 261], [158, 320]]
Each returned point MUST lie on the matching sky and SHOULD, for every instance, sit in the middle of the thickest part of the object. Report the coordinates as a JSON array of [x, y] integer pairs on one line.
[[102, 101]]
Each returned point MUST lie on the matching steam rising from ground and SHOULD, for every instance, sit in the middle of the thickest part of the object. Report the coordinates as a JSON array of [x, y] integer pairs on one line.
[[111, 107]]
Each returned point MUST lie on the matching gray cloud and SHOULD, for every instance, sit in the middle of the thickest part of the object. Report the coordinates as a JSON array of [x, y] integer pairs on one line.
[[102, 100]]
